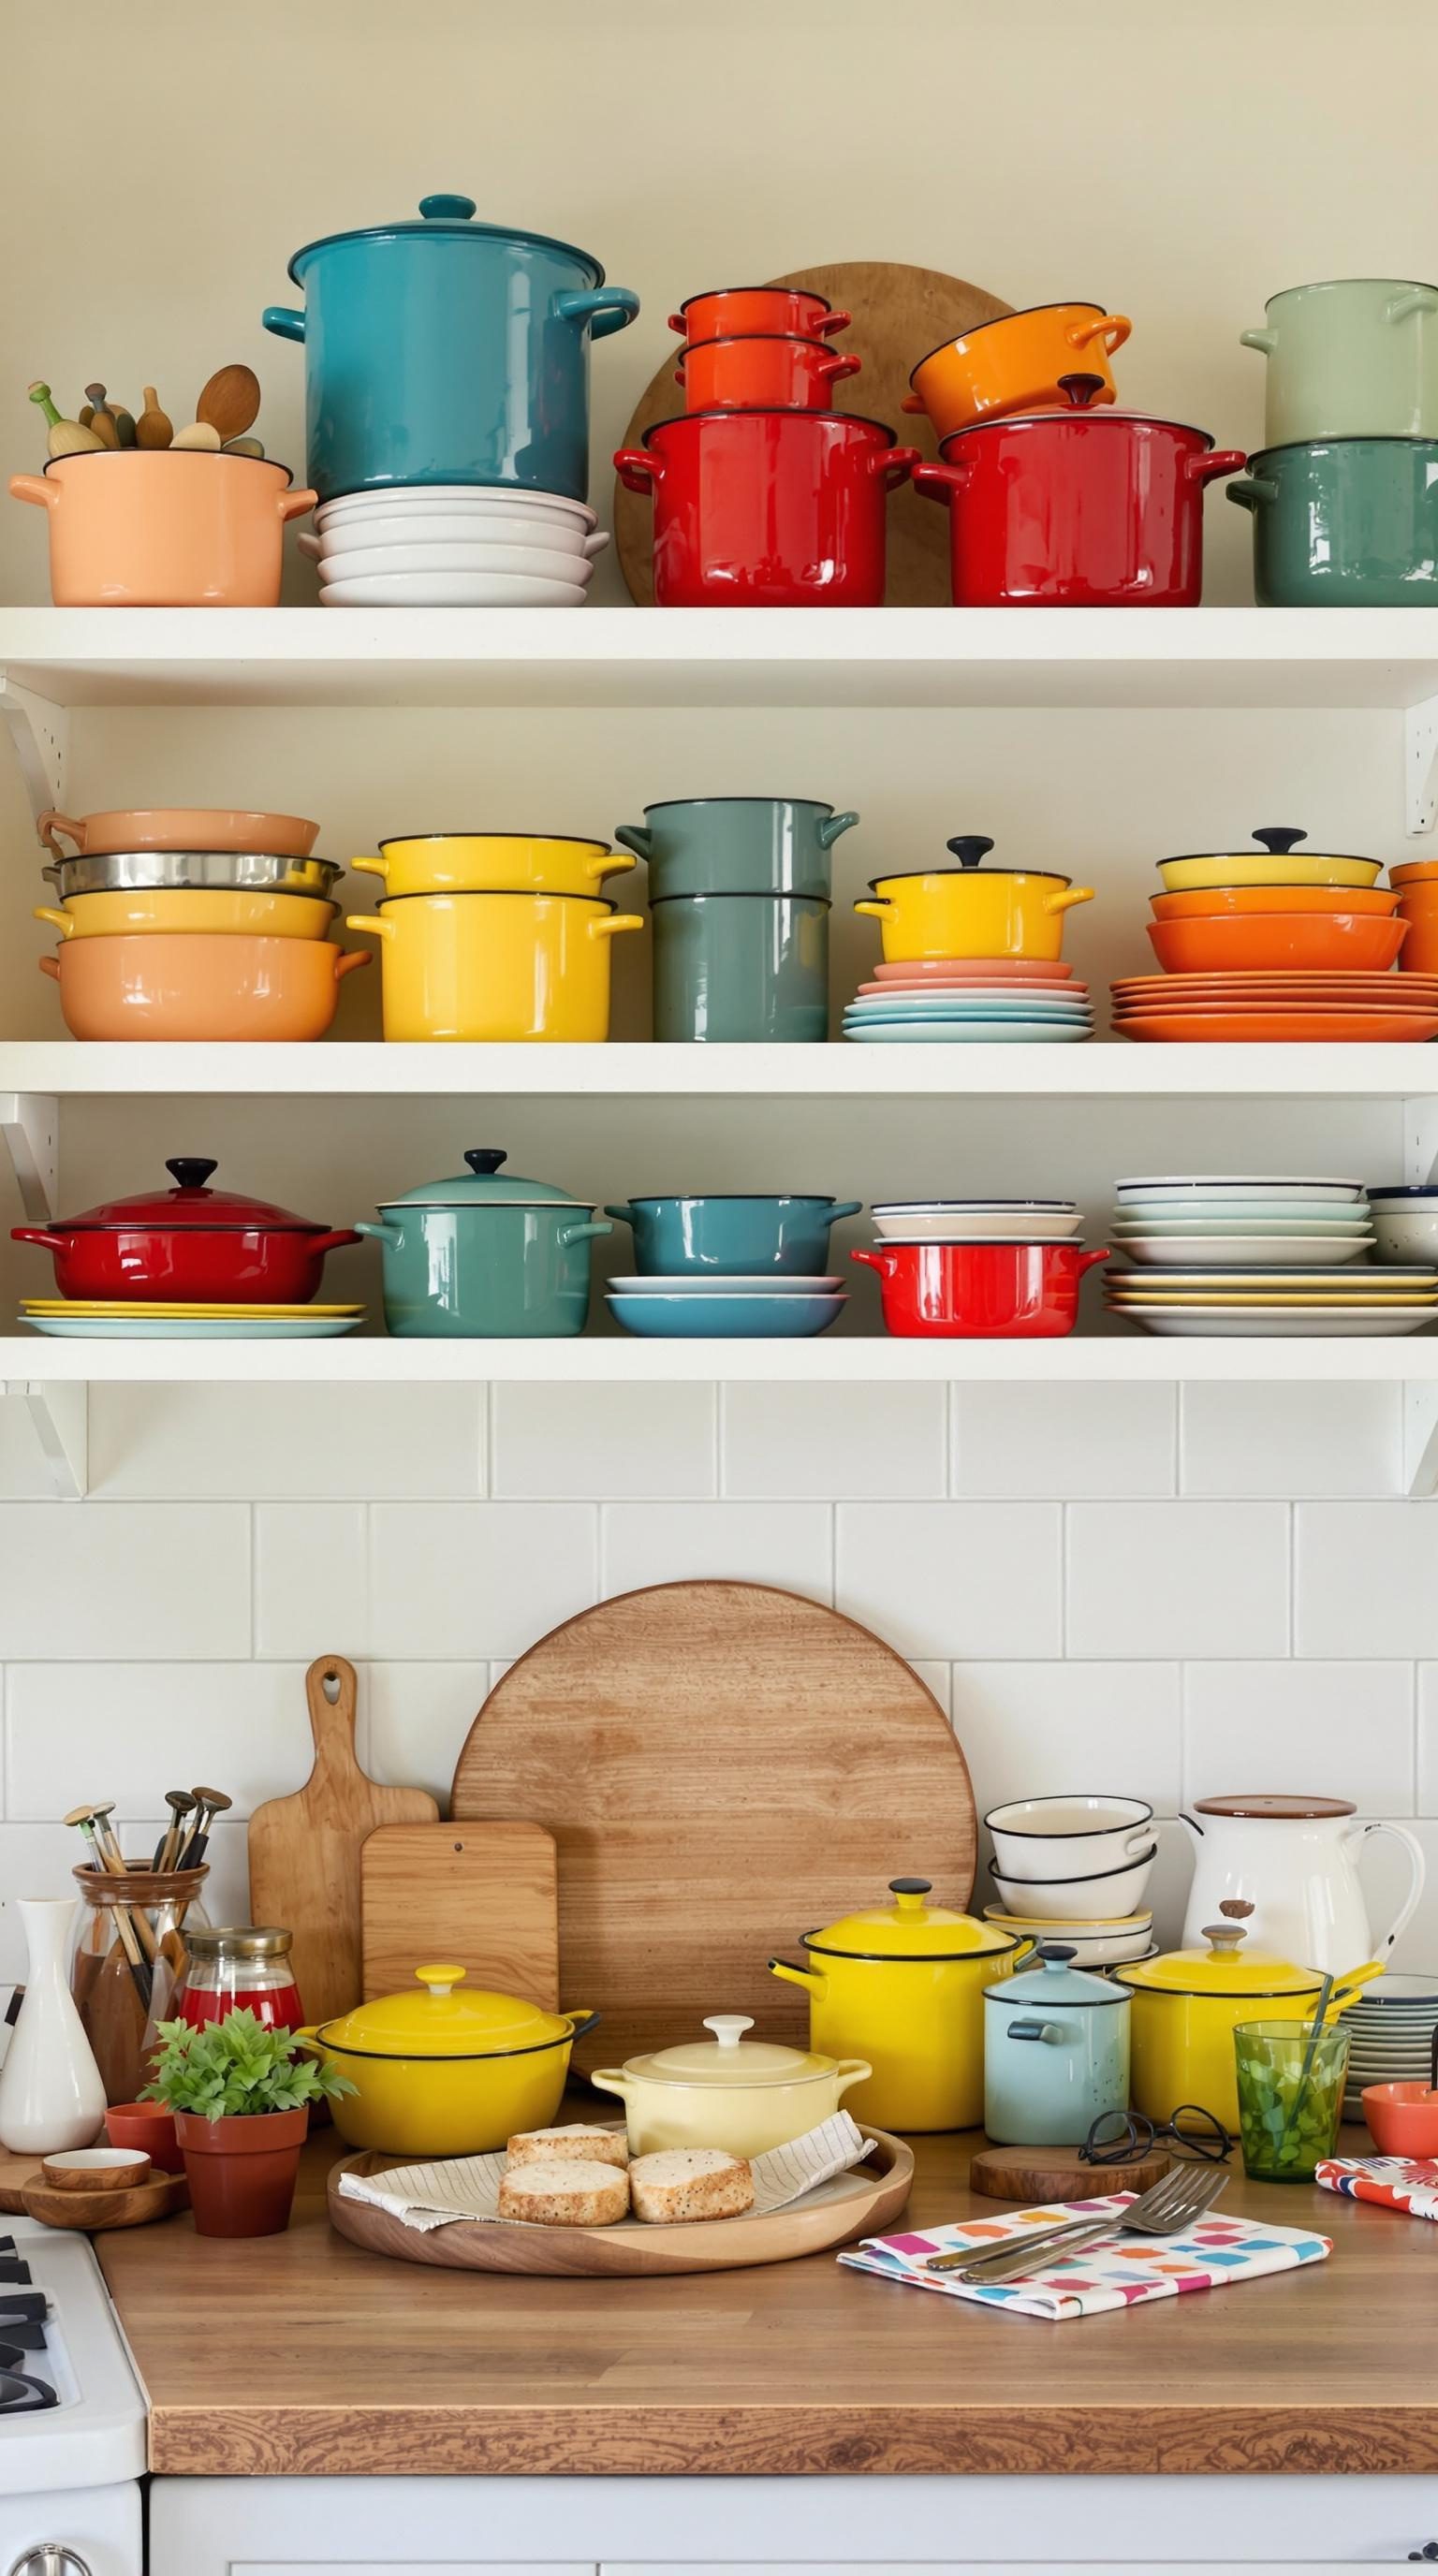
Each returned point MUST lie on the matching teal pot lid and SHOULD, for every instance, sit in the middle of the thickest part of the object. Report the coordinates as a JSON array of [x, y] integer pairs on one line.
[[1056, 1982], [483, 1185], [444, 213]]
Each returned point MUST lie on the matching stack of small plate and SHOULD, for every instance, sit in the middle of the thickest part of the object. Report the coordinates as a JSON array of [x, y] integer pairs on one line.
[[777, 1306], [126, 1320], [461, 545], [1272, 1254], [977, 1221], [1095, 1944], [1390, 2034], [985, 1001], [1247, 1008]]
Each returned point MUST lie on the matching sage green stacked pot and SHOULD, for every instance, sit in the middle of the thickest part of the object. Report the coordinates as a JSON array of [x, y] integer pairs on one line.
[[1352, 357], [486, 1257], [1344, 523]]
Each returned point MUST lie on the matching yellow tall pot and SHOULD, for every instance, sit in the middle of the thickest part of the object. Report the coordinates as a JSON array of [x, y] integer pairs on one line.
[[493, 863], [973, 911], [903, 1985], [1187, 2005], [496, 966], [252, 909], [446, 2073]]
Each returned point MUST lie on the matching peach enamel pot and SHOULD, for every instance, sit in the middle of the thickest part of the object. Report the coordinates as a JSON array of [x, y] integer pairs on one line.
[[164, 527], [199, 984]]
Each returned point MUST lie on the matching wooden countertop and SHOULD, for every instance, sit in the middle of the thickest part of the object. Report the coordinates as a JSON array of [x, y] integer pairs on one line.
[[301, 2354]]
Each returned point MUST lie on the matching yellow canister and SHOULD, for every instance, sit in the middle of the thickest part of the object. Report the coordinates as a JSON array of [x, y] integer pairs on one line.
[[496, 966], [493, 863], [251, 909], [1187, 2005], [903, 1986], [971, 910], [445, 2072]]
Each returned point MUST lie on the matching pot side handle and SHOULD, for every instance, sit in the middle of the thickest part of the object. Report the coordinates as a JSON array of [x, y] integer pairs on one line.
[[625, 1213], [1265, 342], [894, 465], [581, 1233], [913, 402], [61, 921], [940, 482], [812, 1979], [604, 308], [38, 1233], [369, 925], [346, 963], [837, 823], [372, 868], [636, 837], [1418, 299], [1210, 469], [1045, 2030], [1251, 489], [50, 824], [877, 904], [597, 870], [339, 1241], [49, 966], [637, 470], [283, 320], [33, 487], [1112, 328], [838, 363], [872, 1260], [610, 2079], [382, 1233], [1065, 900], [1090, 1260], [584, 2018], [1417, 1872], [851, 2070], [616, 922], [296, 505], [843, 1208]]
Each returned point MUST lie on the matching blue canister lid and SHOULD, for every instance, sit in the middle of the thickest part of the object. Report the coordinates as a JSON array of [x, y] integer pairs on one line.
[[1055, 1982]]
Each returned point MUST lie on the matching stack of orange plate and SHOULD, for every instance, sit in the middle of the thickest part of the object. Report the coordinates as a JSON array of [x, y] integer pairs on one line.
[[1259, 1007]]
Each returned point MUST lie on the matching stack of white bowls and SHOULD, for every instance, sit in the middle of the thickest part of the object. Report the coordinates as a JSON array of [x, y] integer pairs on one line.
[[454, 545], [1075, 1868]]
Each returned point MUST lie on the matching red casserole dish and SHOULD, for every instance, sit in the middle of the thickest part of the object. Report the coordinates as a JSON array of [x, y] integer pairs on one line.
[[980, 1291], [189, 1244], [768, 509], [762, 374]]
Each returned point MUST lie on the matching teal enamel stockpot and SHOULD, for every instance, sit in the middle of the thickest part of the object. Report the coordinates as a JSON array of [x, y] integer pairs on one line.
[[1352, 357], [737, 845], [1344, 523], [725, 1237], [741, 968], [483, 1257], [1056, 2053], [447, 351]]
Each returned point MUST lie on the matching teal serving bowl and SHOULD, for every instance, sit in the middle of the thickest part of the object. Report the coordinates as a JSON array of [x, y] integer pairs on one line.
[[718, 1318]]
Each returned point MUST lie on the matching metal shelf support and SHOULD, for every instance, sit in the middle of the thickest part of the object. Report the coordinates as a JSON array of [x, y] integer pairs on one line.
[[30, 1127], [1420, 743], [61, 1418], [40, 731]]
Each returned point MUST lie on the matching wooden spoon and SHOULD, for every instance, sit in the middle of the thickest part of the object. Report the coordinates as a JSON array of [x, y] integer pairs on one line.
[[102, 419], [244, 447], [230, 401], [201, 433], [66, 437], [124, 423], [154, 428]]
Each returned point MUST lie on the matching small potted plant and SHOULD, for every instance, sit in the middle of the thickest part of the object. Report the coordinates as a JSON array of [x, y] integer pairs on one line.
[[241, 2098]]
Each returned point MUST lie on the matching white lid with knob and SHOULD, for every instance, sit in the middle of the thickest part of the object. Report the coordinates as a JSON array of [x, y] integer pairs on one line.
[[730, 2058]]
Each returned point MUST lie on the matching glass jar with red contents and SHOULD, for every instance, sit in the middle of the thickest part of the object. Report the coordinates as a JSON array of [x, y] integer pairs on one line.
[[240, 1968]]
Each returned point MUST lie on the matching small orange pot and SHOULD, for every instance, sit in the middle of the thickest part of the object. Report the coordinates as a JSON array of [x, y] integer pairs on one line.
[[729, 310], [163, 527], [1418, 905], [1018, 363], [773, 373], [1213, 903], [192, 984], [1305, 942]]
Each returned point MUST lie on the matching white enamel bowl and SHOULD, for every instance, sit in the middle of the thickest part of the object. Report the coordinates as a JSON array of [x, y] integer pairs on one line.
[[1082, 1836], [1079, 1900]]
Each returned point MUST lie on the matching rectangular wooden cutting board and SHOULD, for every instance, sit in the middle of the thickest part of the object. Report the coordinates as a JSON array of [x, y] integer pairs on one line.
[[481, 1897]]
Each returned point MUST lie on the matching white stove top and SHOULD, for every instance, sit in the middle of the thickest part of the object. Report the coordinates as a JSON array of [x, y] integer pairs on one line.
[[80, 2421]]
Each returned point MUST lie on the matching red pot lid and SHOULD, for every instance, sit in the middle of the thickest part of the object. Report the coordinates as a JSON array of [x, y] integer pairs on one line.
[[191, 1204]]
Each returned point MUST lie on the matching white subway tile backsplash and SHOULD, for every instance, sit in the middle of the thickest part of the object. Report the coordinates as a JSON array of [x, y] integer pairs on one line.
[[1428, 1740], [301, 1443], [1177, 1579], [416, 1717], [459, 1582], [1289, 1441], [311, 1580], [98, 1583], [1036, 1730], [1330, 1730], [603, 1442], [1060, 1442], [976, 1580], [820, 1443], [788, 1544], [131, 1731], [1366, 1579], [939, 1679]]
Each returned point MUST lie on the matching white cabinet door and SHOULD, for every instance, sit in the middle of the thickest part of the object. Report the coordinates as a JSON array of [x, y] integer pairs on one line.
[[408, 2567], [972, 2567]]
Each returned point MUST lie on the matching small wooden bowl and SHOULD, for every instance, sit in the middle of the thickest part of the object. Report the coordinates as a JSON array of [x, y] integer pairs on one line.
[[95, 2169]]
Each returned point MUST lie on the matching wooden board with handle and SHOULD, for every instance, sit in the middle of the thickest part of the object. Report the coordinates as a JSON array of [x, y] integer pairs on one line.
[[305, 1849], [484, 1896], [723, 1767]]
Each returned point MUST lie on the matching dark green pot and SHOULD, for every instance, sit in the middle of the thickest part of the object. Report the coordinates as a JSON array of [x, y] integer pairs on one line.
[[741, 967], [1344, 523]]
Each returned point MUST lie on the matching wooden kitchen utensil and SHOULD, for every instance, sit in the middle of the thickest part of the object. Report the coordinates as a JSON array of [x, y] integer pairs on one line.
[[723, 1767], [485, 1896], [102, 419], [200, 433], [63, 437], [305, 1849], [1039, 2175], [230, 401], [898, 314], [154, 428]]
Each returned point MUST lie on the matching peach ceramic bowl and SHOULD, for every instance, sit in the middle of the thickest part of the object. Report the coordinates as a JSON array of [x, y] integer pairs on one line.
[[1402, 2118], [1265, 942], [199, 985], [178, 827]]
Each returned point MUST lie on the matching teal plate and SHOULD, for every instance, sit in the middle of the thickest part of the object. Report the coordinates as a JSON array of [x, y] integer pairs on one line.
[[192, 1328], [967, 1033]]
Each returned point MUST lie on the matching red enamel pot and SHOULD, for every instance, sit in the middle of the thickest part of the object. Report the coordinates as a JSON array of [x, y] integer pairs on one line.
[[742, 310], [1076, 509], [980, 1291], [189, 1245], [762, 374], [768, 509]]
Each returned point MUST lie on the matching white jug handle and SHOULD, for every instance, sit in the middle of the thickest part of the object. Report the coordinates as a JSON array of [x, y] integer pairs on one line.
[[1418, 1867]]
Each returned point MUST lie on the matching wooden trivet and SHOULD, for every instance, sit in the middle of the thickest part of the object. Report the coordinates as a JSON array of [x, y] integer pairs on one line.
[[1041, 2174]]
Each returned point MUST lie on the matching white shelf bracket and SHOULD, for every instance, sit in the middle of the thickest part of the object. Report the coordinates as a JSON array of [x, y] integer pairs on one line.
[[60, 1413], [30, 1126], [40, 731], [1420, 751]]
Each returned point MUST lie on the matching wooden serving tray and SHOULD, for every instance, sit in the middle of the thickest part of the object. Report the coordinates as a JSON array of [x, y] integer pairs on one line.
[[860, 2203], [95, 2213]]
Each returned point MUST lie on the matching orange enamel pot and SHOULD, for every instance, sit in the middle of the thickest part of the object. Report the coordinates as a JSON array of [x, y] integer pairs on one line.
[[164, 527], [1418, 906], [1020, 362], [199, 984], [1303, 942], [1210, 903]]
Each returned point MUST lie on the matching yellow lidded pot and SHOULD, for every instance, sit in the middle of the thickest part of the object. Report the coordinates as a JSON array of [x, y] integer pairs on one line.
[[903, 1986], [493, 863], [496, 966], [1278, 861], [445, 2073], [971, 910], [1187, 2005], [746, 2095], [256, 910]]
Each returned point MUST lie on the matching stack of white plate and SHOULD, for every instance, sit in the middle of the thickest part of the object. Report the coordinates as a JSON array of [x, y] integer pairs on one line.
[[454, 545], [1267, 1254], [978, 1221], [1095, 1944], [1390, 2034]]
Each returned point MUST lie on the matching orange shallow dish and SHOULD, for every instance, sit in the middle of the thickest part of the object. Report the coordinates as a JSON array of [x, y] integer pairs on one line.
[[968, 970], [1272, 942], [192, 984], [1317, 1027], [179, 827], [1361, 988], [1215, 903]]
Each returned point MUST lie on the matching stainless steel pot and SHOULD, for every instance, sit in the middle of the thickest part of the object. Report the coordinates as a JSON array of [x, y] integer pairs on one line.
[[130, 871]]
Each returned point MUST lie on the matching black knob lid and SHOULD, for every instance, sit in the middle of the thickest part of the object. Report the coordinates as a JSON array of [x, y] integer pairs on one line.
[[483, 1159], [969, 847], [190, 1172], [1059, 1950], [910, 1886], [1080, 391], [1278, 839]]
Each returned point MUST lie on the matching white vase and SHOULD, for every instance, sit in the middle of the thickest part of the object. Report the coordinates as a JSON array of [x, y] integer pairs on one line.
[[51, 2093]]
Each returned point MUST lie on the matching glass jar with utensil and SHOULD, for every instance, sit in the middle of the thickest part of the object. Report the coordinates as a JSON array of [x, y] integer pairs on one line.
[[130, 1958]]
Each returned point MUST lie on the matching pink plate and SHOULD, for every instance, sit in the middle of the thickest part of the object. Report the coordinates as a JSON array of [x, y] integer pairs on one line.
[[973, 970]]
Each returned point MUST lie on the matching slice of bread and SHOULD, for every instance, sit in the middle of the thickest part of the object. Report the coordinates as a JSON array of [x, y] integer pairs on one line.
[[566, 2192], [548, 2146], [680, 2183]]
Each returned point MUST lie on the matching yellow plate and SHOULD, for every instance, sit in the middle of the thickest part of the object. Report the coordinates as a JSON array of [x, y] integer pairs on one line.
[[1281, 1305]]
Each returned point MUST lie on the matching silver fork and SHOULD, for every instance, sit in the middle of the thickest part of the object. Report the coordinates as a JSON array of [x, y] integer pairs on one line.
[[1184, 2195]]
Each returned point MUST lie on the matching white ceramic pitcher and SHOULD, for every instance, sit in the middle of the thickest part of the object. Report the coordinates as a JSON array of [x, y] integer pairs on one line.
[[1295, 1861], [51, 2094]]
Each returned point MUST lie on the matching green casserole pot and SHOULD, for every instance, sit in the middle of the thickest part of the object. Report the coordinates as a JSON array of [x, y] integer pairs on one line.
[[484, 1258], [1344, 523], [1352, 357]]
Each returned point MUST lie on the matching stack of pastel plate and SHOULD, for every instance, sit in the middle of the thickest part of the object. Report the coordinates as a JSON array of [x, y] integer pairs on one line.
[[1390, 2034], [1247, 1008], [985, 1001], [777, 1306], [977, 1221], [127, 1320], [454, 545], [1274, 1254]]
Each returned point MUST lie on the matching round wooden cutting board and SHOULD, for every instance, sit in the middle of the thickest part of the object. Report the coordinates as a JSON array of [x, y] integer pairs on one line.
[[899, 315], [1038, 2175]]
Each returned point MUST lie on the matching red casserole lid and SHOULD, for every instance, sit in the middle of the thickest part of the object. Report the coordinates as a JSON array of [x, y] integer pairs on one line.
[[190, 1205]]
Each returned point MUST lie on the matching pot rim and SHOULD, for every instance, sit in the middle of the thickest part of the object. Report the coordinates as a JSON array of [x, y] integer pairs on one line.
[[1103, 412], [579, 840], [1286, 447], [1361, 858], [840, 420], [1317, 286], [460, 2057], [667, 803], [1063, 304], [726, 339], [752, 894], [811, 1942], [157, 1225], [1077, 1833], [482, 1207], [973, 1243], [271, 464], [487, 894], [762, 1198], [979, 875], [412, 228], [706, 291], [739, 2084]]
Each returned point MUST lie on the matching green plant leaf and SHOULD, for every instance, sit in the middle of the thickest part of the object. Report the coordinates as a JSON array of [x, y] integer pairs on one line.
[[236, 2068]]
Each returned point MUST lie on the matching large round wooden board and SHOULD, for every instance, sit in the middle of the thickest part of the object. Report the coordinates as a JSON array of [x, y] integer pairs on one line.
[[724, 1767], [899, 315], [860, 2203], [1041, 2174]]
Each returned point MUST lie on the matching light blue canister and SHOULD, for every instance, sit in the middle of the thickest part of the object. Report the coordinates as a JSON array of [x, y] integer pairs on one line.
[[1056, 2052]]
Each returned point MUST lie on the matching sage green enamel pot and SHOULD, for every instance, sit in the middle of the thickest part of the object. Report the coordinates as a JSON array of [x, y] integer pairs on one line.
[[1344, 523], [480, 1257], [737, 968], [1353, 357], [737, 845]]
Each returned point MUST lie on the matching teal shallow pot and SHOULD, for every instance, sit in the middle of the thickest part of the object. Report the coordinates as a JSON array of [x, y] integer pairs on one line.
[[1056, 2053], [1353, 357], [720, 1236], [737, 968], [737, 845], [1344, 523], [481, 1257]]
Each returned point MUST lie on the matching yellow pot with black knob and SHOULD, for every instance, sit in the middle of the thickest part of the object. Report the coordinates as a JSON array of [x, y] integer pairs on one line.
[[971, 910], [497, 967]]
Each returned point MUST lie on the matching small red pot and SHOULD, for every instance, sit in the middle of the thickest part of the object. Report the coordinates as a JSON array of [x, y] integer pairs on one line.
[[768, 509], [980, 1291], [242, 2171], [149, 2128], [761, 374], [1077, 509], [739, 311], [189, 1244]]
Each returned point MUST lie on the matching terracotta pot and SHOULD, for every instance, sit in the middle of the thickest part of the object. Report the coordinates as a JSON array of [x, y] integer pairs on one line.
[[980, 1291], [731, 310], [241, 2172], [199, 984], [178, 827], [768, 509], [164, 527], [775, 373], [149, 2128]]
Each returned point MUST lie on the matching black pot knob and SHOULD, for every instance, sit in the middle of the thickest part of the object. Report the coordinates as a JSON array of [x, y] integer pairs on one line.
[[190, 1172], [910, 1886], [969, 847], [484, 1159], [1080, 391], [1278, 839]]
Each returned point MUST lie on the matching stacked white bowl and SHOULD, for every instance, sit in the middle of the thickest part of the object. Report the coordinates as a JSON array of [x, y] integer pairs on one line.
[[1075, 1868], [454, 545]]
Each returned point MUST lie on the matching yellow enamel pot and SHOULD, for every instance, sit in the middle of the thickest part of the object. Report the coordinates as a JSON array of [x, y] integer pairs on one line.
[[252, 909], [746, 2095], [1187, 2005], [492, 967], [903, 1986], [971, 910], [1017, 362], [445, 2072], [1277, 862], [493, 863]]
